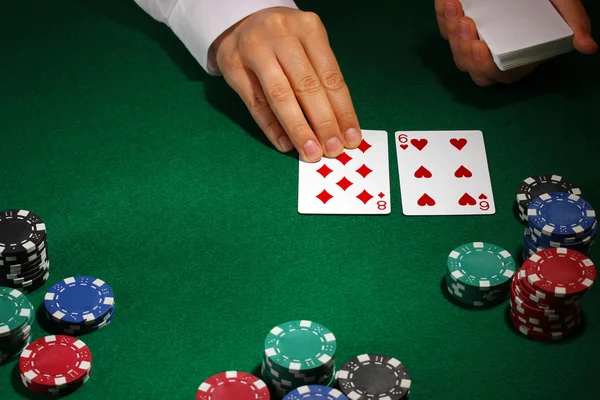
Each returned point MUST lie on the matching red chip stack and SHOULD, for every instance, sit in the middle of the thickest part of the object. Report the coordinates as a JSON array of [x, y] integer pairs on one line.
[[545, 295]]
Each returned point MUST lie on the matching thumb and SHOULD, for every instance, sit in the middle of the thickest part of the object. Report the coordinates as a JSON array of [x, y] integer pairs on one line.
[[576, 17]]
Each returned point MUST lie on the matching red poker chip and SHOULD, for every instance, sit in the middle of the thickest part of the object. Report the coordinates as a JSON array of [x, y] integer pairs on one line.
[[538, 299], [541, 319], [57, 391], [55, 361], [531, 307], [546, 335], [532, 322], [545, 299], [233, 385], [561, 272]]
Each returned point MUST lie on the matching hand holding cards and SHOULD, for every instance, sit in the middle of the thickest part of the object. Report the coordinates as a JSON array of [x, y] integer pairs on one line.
[[441, 173], [520, 32]]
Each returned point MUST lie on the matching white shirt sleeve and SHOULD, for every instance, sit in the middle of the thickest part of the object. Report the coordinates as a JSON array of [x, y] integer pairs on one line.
[[197, 23]]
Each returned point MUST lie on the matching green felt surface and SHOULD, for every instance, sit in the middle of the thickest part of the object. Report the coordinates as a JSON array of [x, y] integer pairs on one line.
[[150, 175]]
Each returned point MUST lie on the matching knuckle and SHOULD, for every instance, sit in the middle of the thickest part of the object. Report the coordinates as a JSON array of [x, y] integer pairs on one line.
[[298, 131], [333, 80], [273, 128], [257, 103], [249, 40], [308, 84], [280, 93], [311, 19], [346, 115], [277, 23]]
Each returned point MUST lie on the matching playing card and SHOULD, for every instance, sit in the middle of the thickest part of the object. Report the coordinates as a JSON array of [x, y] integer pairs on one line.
[[444, 173], [512, 25], [356, 182]]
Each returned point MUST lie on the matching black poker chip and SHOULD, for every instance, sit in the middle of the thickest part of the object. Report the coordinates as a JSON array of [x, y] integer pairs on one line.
[[24, 262], [374, 377], [535, 186], [21, 233]]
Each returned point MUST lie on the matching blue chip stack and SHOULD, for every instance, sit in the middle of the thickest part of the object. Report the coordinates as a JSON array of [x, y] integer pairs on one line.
[[79, 305], [315, 392], [559, 219]]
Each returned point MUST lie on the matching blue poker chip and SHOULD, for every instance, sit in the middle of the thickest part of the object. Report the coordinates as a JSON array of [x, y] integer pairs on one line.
[[315, 392], [561, 214], [79, 300]]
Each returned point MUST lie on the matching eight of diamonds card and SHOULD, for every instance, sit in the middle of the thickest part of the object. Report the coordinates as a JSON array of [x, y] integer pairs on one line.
[[444, 173], [356, 182]]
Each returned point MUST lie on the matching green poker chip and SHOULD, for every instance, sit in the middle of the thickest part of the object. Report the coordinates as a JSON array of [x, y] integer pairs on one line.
[[482, 265], [15, 311], [479, 274], [300, 346]]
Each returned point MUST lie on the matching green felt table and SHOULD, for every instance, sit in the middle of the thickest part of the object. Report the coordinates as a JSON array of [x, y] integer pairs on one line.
[[151, 175]]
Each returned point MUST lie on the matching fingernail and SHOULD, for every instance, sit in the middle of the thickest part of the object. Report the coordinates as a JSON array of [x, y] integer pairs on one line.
[[464, 30], [311, 150], [450, 10], [285, 143], [334, 146], [352, 137]]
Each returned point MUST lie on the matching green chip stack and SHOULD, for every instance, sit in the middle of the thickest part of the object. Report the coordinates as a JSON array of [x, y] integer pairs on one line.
[[298, 353], [16, 317], [479, 274]]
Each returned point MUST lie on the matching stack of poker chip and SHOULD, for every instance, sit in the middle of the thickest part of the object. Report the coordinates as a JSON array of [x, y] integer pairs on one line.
[[479, 274], [16, 317], [233, 385], [545, 295], [374, 376], [79, 305], [55, 365], [315, 392], [298, 353], [535, 186], [559, 219], [24, 262]]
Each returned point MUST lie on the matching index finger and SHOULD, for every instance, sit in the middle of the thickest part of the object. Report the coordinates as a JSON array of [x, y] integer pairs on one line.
[[320, 55]]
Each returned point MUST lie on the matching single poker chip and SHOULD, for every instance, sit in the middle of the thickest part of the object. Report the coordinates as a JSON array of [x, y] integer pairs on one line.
[[21, 232], [79, 299], [561, 214], [233, 385], [300, 346], [535, 186], [315, 392], [561, 272], [15, 310], [481, 264], [55, 361], [374, 376]]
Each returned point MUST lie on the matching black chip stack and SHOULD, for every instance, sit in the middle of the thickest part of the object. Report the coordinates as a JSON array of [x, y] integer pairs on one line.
[[24, 262]]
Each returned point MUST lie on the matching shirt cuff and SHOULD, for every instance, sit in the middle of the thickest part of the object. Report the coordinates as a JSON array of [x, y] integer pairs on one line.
[[197, 23]]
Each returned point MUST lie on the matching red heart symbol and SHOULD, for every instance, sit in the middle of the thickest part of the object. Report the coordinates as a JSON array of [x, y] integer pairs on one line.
[[404, 146], [462, 172], [467, 200], [419, 143], [422, 172], [458, 143], [425, 200], [482, 196]]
